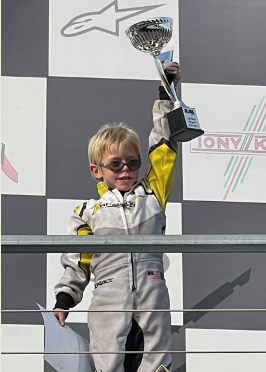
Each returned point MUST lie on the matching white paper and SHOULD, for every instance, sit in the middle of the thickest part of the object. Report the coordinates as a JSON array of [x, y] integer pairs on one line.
[[64, 339]]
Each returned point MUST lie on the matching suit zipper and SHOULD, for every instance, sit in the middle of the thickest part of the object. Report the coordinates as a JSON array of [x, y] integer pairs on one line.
[[131, 254], [131, 257], [133, 276]]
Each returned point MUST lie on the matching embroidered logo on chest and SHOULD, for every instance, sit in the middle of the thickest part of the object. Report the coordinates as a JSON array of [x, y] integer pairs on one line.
[[126, 204], [129, 204]]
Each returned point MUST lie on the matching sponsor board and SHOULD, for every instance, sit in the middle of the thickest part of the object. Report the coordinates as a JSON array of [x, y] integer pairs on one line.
[[228, 162]]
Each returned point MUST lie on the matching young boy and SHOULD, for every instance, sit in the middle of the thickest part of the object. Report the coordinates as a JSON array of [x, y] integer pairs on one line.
[[124, 281]]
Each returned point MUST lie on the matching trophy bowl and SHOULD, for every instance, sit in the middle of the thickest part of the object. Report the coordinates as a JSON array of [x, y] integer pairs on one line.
[[151, 35]]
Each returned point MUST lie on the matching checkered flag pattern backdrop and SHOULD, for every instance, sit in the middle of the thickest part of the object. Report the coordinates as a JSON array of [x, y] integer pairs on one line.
[[68, 68]]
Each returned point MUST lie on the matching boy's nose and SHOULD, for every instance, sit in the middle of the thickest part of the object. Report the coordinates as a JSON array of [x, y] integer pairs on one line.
[[123, 168]]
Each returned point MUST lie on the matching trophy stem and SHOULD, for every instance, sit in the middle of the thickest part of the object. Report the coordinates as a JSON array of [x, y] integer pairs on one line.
[[170, 89]]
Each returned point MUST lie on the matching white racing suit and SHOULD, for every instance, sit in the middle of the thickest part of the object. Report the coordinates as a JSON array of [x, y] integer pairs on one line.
[[127, 281]]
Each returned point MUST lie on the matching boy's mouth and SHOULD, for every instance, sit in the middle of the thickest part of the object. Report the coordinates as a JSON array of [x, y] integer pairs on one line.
[[125, 178]]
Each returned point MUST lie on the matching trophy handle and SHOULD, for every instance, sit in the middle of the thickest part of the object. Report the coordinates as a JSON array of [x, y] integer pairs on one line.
[[161, 62]]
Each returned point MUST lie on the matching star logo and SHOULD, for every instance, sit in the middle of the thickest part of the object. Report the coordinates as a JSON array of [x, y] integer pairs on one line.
[[105, 20], [96, 207]]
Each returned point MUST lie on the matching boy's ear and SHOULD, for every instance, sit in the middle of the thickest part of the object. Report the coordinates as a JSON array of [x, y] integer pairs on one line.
[[96, 172]]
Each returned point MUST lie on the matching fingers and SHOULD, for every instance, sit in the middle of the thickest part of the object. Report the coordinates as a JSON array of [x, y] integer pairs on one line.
[[60, 315], [173, 68], [62, 318]]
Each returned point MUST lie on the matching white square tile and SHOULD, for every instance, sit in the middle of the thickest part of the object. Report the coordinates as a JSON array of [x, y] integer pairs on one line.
[[174, 278], [22, 338], [87, 39], [173, 219], [174, 272], [225, 340], [23, 135]]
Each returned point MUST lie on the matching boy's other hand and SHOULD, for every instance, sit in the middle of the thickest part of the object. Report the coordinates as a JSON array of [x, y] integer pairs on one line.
[[174, 69], [60, 315]]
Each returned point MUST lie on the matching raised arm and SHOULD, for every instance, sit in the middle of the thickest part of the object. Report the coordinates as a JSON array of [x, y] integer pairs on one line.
[[162, 151]]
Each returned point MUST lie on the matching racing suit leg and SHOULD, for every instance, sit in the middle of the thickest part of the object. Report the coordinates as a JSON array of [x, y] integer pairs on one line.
[[109, 330], [152, 293]]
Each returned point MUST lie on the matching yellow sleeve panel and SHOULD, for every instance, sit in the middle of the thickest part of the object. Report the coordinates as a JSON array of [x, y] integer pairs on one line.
[[161, 175], [85, 258], [84, 230]]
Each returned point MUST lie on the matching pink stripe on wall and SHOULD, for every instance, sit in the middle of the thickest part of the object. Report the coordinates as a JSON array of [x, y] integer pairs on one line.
[[259, 117], [234, 176], [9, 170]]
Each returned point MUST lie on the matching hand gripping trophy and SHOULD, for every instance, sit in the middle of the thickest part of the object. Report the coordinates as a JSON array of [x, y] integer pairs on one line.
[[150, 36]]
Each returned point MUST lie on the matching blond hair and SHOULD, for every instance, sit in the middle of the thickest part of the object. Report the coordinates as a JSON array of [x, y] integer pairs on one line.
[[112, 137]]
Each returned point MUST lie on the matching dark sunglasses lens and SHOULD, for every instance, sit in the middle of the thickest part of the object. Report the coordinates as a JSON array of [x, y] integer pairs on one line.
[[116, 166], [134, 164]]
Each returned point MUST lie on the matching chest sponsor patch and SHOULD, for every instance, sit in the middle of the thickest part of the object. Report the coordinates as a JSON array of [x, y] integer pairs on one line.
[[126, 204], [155, 275]]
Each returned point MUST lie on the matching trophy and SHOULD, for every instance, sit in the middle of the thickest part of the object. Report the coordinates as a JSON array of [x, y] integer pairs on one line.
[[150, 36]]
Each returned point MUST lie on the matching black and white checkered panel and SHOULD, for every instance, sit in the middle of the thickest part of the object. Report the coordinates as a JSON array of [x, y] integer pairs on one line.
[[61, 81]]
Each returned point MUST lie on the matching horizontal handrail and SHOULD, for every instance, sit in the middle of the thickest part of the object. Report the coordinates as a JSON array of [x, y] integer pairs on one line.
[[198, 310], [134, 352], [134, 243]]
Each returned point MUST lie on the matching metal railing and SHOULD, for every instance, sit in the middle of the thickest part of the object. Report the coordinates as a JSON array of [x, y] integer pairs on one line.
[[134, 243]]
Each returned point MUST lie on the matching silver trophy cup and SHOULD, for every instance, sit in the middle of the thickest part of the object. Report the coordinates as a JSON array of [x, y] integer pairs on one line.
[[150, 36]]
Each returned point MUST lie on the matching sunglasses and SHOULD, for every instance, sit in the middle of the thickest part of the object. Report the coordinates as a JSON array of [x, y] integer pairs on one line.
[[118, 165]]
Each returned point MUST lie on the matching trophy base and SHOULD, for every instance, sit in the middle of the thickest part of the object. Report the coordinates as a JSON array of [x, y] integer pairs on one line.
[[183, 124]]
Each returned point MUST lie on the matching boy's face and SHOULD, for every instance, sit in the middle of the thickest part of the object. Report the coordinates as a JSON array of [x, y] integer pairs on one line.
[[122, 180]]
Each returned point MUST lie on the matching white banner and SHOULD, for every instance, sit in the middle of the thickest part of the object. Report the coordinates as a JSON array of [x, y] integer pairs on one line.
[[87, 39], [23, 137], [228, 162]]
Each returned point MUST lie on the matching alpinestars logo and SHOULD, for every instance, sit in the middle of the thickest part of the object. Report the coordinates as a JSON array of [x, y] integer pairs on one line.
[[105, 20], [243, 146]]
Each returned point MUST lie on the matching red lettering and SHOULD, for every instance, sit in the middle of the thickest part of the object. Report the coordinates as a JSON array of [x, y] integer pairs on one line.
[[199, 138], [235, 142], [209, 145], [260, 144], [223, 143]]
